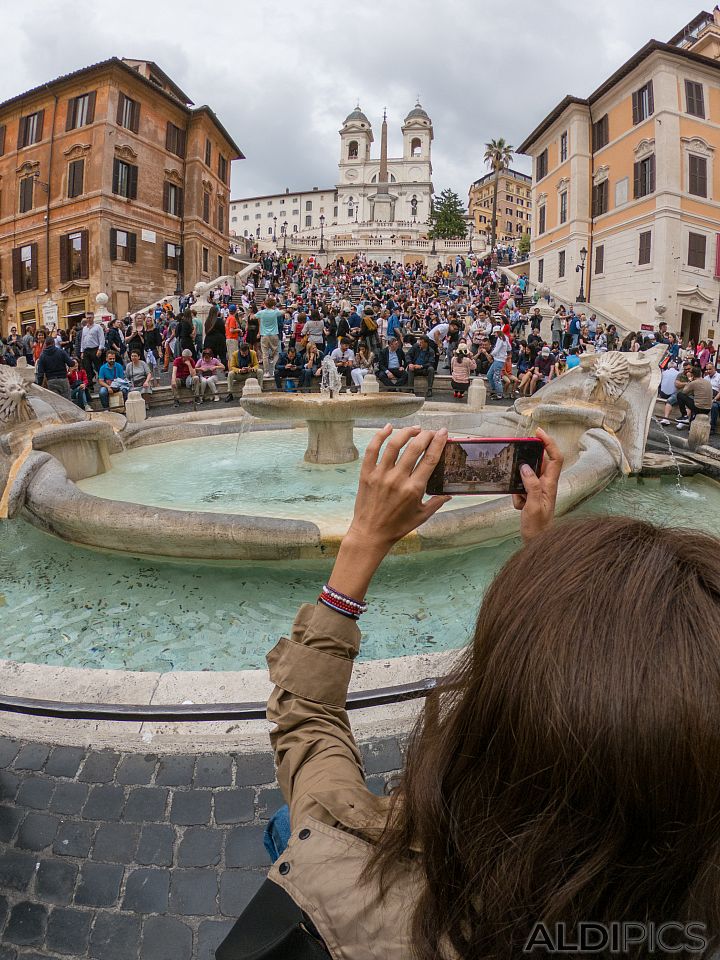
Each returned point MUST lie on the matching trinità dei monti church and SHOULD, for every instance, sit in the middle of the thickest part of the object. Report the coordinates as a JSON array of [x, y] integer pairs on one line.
[[372, 194]]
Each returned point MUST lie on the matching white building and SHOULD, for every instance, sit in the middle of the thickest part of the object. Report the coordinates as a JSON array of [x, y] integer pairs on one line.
[[350, 206]]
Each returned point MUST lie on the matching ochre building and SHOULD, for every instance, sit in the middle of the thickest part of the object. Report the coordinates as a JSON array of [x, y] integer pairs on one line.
[[629, 175], [111, 181], [514, 205]]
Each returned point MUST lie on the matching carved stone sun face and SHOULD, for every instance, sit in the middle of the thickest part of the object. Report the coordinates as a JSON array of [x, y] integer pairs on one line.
[[610, 374], [14, 405]]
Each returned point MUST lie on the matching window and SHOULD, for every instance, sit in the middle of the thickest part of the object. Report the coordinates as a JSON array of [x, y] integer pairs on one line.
[[220, 266], [270, 213], [76, 178], [541, 165], [508, 226], [206, 207], [643, 103], [600, 258], [541, 222], [644, 177], [541, 270], [74, 256], [561, 264], [508, 211], [563, 147], [308, 221], [175, 140], [80, 111], [269, 203], [335, 212], [308, 204], [269, 231], [697, 175], [257, 204], [25, 268], [600, 133], [694, 99], [353, 150], [128, 113], [30, 130], [205, 259], [172, 199], [172, 256], [123, 245], [600, 193], [26, 194], [246, 217], [563, 207], [125, 177], [258, 216], [221, 218], [645, 247], [234, 219], [2, 139], [415, 147], [222, 168], [696, 250], [282, 201], [295, 228], [208, 154]]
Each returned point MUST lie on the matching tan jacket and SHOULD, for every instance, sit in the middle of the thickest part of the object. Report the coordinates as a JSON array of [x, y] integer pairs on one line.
[[335, 818]]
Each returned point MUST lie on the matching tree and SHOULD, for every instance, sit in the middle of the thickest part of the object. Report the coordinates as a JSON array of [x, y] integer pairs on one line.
[[447, 217], [498, 155], [524, 245]]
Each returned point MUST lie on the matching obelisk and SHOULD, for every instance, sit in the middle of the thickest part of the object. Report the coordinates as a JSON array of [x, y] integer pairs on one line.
[[383, 203]]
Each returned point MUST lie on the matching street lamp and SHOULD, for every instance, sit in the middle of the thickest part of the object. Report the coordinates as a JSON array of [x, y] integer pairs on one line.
[[580, 268], [284, 232], [322, 224], [274, 229], [472, 227]]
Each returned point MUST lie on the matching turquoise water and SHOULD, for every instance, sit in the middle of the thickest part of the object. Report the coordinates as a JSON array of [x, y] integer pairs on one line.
[[63, 605]]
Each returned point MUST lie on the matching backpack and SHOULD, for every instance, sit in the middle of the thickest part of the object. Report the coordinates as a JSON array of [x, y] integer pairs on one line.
[[370, 322]]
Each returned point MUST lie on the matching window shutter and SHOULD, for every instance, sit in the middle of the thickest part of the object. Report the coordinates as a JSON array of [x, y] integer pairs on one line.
[[41, 117], [113, 243], [17, 270], [132, 247], [64, 260], [181, 202], [135, 120], [651, 174], [166, 197], [181, 143], [21, 132], [168, 137], [34, 267], [116, 176], [70, 119], [636, 107], [132, 182], [636, 180], [84, 255], [651, 99], [121, 100], [165, 256], [2, 139], [91, 107]]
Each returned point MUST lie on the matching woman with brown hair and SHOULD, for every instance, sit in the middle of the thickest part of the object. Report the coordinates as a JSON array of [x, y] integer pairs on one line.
[[214, 335], [567, 773]]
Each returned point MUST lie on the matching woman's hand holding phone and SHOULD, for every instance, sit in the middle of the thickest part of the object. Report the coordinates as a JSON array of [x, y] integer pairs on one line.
[[389, 502], [538, 502]]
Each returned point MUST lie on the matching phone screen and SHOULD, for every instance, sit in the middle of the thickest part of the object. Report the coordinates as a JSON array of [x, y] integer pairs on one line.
[[471, 465]]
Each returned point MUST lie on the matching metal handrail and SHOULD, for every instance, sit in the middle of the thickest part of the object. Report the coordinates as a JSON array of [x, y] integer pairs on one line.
[[195, 712]]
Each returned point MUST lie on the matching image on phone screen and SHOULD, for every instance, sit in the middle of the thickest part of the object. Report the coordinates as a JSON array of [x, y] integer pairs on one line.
[[484, 466]]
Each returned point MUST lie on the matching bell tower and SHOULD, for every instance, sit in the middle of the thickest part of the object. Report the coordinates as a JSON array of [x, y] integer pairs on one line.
[[355, 138], [417, 131]]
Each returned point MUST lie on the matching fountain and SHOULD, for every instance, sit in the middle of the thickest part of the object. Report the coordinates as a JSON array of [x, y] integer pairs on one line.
[[330, 416]]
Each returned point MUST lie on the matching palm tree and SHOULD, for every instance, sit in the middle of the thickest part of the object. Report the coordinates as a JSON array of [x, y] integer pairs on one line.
[[498, 155]]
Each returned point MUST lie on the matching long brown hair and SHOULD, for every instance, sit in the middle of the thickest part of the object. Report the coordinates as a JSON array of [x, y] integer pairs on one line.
[[572, 772]]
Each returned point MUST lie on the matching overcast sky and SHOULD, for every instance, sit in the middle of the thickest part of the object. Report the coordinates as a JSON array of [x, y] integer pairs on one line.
[[283, 75]]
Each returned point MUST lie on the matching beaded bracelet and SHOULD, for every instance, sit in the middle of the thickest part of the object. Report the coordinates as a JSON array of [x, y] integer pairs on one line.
[[342, 603]]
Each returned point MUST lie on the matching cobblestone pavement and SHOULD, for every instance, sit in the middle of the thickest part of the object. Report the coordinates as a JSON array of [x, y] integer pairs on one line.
[[117, 856]]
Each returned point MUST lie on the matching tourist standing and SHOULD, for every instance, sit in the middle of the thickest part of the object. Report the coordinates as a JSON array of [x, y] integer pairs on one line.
[[52, 368], [269, 318], [92, 343]]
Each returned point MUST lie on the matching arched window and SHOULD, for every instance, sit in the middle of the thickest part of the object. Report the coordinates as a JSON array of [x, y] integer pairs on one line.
[[351, 208], [295, 228], [415, 146], [413, 205], [353, 150], [245, 233]]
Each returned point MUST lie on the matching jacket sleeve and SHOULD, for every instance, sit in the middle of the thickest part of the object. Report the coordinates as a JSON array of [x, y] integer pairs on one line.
[[315, 751]]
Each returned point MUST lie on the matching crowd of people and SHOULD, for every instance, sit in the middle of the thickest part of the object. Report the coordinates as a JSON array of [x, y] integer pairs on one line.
[[404, 323]]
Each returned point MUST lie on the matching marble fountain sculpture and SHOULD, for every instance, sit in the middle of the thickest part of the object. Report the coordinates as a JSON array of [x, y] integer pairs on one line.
[[61, 470]]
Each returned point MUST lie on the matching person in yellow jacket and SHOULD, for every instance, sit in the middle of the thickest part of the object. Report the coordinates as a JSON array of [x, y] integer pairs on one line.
[[243, 364]]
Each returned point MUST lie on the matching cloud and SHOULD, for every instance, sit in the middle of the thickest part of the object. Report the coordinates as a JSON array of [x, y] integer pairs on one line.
[[282, 76]]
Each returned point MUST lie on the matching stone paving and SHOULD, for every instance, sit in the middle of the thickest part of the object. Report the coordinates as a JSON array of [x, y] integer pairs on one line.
[[107, 855]]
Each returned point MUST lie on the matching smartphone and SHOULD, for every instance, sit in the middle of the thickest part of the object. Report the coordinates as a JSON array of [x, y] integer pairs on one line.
[[474, 465]]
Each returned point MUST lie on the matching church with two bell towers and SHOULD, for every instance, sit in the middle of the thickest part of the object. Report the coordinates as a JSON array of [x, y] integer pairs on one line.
[[385, 190]]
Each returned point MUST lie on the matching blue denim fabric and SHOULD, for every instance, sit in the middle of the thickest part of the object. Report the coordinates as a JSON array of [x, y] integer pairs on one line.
[[494, 376], [277, 832]]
